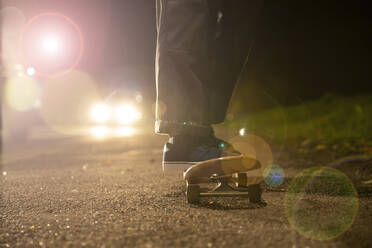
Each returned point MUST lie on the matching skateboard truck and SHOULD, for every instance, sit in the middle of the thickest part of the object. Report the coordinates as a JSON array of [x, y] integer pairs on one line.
[[231, 184]]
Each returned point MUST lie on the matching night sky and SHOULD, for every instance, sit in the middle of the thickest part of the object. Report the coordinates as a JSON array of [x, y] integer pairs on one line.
[[303, 48]]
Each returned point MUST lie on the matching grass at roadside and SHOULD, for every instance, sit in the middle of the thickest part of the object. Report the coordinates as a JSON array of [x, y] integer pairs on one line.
[[332, 121]]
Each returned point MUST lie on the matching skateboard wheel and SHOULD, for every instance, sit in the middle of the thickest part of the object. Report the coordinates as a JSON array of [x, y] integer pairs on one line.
[[242, 179], [192, 193], [254, 193]]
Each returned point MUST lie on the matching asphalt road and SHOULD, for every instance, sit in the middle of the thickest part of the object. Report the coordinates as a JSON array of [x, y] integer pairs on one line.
[[79, 192]]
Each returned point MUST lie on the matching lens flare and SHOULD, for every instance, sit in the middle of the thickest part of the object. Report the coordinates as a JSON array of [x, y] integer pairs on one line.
[[124, 132], [273, 130], [321, 203], [127, 114], [159, 108], [256, 148], [100, 132], [100, 113], [31, 71], [139, 98], [22, 93], [273, 175], [12, 21], [51, 44], [253, 146], [242, 132], [67, 100]]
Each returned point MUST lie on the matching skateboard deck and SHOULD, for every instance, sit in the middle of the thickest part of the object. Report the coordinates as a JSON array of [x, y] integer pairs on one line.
[[229, 173]]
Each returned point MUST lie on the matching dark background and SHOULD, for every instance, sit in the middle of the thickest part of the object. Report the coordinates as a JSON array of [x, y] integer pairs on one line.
[[303, 49], [306, 49]]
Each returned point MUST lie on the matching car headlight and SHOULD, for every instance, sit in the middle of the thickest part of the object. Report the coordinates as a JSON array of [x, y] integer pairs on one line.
[[127, 114], [100, 113]]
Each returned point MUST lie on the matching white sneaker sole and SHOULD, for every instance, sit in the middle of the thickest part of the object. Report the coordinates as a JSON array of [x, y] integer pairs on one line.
[[177, 166]]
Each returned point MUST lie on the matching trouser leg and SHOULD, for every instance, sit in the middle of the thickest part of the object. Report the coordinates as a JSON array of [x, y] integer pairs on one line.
[[181, 64], [230, 43], [196, 64]]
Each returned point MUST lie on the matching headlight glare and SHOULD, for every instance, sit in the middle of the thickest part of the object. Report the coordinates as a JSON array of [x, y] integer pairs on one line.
[[100, 113], [127, 114]]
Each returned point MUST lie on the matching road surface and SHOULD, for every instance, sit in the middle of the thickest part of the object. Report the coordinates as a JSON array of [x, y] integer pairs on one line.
[[81, 192]]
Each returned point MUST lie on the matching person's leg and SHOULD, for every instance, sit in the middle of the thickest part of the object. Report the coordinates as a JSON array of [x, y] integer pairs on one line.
[[196, 70], [182, 66], [201, 47], [230, 44]]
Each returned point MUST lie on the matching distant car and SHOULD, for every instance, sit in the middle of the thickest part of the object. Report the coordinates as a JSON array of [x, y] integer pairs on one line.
[[119, 108], [121, 113]]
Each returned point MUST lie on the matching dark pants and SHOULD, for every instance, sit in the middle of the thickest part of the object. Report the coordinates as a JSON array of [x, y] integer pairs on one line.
[[201, 47]]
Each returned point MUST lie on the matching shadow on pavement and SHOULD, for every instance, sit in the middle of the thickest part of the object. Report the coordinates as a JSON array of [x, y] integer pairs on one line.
[[230, 204]]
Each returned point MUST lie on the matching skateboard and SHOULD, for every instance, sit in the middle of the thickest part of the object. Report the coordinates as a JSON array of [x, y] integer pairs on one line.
[[230, 174]]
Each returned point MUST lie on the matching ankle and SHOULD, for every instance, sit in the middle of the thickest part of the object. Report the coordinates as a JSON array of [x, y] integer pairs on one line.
[[175, 128]]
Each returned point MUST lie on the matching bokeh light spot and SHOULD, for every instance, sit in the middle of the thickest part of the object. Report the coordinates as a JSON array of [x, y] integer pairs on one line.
[[21, 93], [139, 98], [273, 175], [321, 203], [100, 112], [51, 44], [230, 116], [255, 148], [242, 132], [67, 101], [12, 21], [127, 114], [100, 132], [31, 71], [159, 108], [124, 132]]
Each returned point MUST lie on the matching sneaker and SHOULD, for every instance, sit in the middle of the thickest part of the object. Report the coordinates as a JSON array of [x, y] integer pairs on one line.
[[183, 151]]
